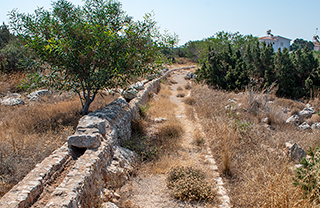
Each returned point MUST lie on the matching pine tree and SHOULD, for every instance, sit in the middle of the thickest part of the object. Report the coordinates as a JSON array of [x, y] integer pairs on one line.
[[285, 74]]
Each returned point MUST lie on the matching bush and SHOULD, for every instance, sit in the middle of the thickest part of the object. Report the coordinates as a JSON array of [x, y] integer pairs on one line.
[[308, 176], [189, 183], [13, 57]]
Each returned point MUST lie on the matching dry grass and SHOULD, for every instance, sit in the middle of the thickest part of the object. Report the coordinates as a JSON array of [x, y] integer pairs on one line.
[[10, 82], [190, 184], [187, 86], [29, 133], [179, 88], [190, 100], [250, 156]]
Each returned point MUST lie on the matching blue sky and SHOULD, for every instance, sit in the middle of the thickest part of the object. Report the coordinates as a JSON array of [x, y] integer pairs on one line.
[[198, 19]]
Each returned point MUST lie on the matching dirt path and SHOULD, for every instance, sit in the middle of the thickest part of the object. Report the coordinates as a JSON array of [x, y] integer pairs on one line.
[[150, 190]]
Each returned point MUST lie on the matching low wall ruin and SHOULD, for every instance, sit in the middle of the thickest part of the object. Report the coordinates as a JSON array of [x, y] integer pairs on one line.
[[100, 161]]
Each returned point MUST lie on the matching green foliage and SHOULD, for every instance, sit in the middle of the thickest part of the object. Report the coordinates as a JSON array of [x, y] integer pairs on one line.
[[296, 74], [5, 36], [190, 184], [198, 50], [91, 47], [225, 69], [308, 176], [14, 57], [300, 43]]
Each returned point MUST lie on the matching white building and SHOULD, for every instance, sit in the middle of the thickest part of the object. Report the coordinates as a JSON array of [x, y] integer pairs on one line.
[[276, 41]]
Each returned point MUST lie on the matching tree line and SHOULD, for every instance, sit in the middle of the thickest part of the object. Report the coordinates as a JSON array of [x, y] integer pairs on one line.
[[232, 67]]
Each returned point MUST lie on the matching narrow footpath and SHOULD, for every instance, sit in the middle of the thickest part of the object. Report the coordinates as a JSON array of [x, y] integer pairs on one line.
[[150, 190]]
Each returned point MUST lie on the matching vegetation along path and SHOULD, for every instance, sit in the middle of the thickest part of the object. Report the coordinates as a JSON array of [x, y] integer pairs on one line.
[[149, 187]]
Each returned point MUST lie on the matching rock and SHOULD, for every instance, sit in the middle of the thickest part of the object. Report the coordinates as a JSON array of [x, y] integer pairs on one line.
[[304, 126], [160, 120], [109, 195], [231, 101], [89, 141], [12, 101], [121, 167], [92, 122], [267, 126], [190, 75], [114, 91], [164, 71], [108, 205], [151, 77], [315, 126], [130, 94], [285, 110], [294, 119], [265, 120], [138, 85], [306, 113], [295, 152], [37, 94]]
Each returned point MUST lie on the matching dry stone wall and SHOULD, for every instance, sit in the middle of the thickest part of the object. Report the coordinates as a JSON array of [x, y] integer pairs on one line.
[[99, 161]]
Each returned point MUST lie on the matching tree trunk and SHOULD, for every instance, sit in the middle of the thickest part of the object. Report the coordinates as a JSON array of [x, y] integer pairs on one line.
[[85, 108]]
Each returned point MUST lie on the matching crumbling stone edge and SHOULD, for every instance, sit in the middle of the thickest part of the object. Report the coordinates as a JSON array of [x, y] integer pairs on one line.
[[103, 163]]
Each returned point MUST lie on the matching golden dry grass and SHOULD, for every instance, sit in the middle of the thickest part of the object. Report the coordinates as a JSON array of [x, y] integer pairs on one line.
[[10, 82], [251, 157], [29, 133]]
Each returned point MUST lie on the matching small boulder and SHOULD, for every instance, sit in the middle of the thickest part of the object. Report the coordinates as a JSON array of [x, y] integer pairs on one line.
[[315, 126], [130, 94], [160, 120], [138, 86], [306, 113], [190, 75], [108, 205], [231, 101], [37, 94], [265, 120], [304, 126], [295, 119], [295, 152], [12, 101]]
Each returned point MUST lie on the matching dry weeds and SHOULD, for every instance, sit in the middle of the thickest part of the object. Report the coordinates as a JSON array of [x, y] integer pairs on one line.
[[29, 133], [251, 157]]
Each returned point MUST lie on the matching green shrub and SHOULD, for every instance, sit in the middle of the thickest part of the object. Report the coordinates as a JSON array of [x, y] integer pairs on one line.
[[308, 176]]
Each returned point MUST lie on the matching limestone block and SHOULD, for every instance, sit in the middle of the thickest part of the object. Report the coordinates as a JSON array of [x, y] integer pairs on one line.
[[91, 121], [89, 141], [37, 94], [315, 126], [12, 101], [293, 119], [108, 205], [304, 126], [307, 112]]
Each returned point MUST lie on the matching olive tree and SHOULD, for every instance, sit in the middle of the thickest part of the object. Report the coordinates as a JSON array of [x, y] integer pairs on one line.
[[91, 47]]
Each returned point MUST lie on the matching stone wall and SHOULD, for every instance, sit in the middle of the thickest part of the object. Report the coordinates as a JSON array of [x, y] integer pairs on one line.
[[98, 160]]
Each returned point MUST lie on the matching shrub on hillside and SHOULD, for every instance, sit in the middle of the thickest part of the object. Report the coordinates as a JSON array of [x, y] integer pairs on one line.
[[308, 176], [189, 184]]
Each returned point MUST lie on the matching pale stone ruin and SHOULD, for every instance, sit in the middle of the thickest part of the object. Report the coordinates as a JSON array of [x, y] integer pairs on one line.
[[91, 162]]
